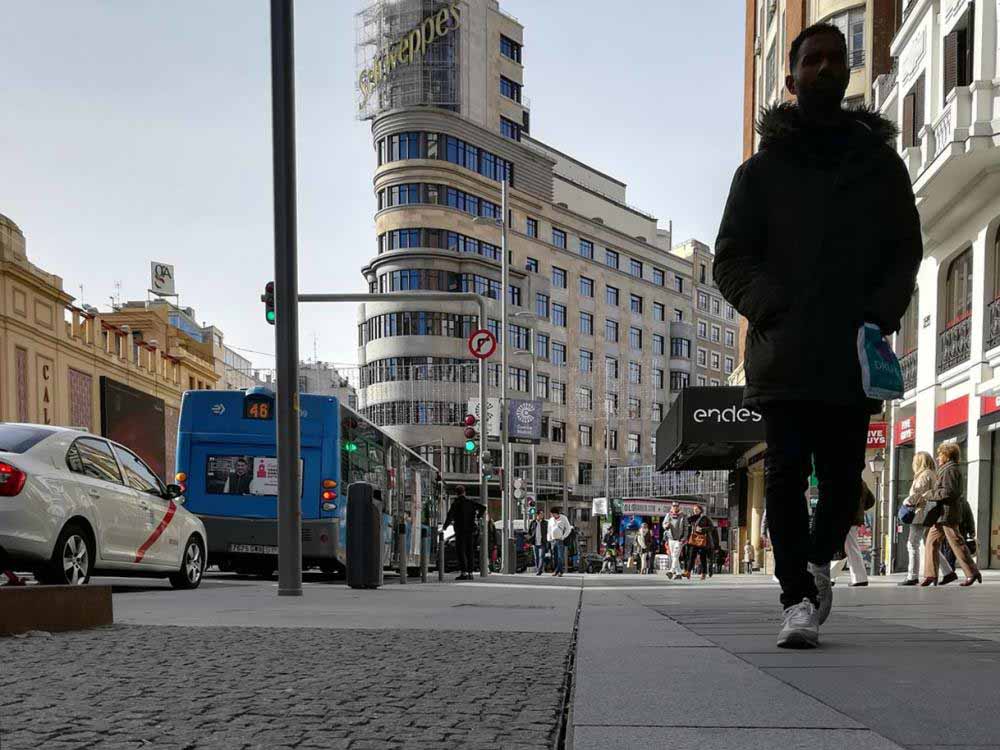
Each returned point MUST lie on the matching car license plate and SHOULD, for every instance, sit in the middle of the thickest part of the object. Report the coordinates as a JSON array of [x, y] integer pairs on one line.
[[254, 549]]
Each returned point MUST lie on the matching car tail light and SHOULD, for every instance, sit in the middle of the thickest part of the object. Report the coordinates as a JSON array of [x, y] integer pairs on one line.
[[12, 480]]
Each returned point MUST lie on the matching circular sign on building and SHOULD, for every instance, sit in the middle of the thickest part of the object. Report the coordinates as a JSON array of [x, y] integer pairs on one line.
[[482, 343]]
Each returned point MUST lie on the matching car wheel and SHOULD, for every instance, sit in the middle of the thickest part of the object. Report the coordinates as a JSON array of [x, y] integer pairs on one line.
[[192, 566], [72, 560]]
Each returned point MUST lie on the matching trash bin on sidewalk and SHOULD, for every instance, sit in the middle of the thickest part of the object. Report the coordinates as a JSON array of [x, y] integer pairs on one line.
[[364, 537]]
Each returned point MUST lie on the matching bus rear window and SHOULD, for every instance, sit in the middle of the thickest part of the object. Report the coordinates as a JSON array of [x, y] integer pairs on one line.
[[243, 475], [15, 438]]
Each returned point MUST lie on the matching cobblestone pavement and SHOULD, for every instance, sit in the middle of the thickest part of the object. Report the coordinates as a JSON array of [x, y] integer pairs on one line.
[[152, 687]]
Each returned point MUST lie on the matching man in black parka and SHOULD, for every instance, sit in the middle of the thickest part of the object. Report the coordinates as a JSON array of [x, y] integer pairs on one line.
[[820, 235]]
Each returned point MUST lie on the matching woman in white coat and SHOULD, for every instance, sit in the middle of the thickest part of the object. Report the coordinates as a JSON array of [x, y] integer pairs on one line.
[[924, 473]]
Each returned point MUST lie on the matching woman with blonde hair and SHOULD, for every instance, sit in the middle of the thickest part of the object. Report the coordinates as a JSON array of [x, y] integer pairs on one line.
[[944, 518], [923, 482]]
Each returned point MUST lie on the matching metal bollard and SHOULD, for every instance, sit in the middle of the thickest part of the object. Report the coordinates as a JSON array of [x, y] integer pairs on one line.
[[425, 544], [441, 555]]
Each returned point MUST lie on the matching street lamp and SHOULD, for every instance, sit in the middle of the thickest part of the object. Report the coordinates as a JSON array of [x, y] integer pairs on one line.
[[500, 222], [877, 466]]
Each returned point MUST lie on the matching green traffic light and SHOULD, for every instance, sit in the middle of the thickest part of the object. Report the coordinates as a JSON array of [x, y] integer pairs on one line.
[[270, 316], [350, 447], [470, 446]]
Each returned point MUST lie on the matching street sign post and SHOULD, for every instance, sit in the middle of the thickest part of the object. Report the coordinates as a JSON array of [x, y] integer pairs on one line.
[[482, 343]]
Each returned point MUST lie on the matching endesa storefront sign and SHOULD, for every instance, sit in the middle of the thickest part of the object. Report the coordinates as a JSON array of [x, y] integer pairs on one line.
[[877, 432]]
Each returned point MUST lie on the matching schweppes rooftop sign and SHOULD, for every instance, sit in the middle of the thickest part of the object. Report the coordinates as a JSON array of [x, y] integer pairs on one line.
[[408, 48]]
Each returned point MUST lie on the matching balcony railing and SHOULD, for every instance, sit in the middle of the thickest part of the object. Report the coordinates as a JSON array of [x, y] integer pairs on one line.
[[993, 321], [955, 345], [908, 363], [885, 83]]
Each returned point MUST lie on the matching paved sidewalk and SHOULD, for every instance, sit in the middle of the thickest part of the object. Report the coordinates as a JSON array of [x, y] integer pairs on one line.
[[694, 665]]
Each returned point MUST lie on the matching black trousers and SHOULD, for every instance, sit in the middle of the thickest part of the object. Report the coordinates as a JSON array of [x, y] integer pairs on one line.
[[695, 554], [464, 550], [802, 436]]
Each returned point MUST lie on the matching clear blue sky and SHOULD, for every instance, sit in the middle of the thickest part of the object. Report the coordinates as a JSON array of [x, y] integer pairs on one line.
[[139, 130]]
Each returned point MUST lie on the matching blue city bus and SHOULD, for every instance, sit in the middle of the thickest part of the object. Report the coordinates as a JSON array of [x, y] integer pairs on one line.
[[227, 466]]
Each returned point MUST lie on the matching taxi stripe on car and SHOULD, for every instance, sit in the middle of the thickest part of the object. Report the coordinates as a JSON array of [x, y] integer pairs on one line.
[[157, 532]]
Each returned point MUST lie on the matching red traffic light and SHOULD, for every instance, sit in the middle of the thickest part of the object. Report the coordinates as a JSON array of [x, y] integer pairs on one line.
[[269, 287], [531, 503], [470, 420], [470, 432]]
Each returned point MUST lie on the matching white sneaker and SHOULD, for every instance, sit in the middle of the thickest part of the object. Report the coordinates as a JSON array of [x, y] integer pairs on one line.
[[824, 586], [801, 628]]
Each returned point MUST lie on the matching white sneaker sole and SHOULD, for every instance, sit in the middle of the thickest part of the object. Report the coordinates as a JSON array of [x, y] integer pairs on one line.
[[800, 639]]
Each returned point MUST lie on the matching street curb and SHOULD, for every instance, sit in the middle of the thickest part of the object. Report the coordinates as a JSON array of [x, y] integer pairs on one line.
[[54, 608], [564, 739]]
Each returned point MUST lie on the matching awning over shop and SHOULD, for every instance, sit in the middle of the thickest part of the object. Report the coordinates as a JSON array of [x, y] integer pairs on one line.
[[707, 428]]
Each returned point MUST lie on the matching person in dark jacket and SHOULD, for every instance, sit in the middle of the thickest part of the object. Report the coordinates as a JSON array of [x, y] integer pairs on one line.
[[538, 534], [820, 235], [462, 514], [699, 541], [945, 518]]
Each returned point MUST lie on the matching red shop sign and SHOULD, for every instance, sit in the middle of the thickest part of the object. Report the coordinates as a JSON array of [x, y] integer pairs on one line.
[[951, 413], [905, 431], [989, 405], [877, 432]]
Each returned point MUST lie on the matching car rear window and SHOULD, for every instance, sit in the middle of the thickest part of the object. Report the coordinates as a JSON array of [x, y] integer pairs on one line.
[[17, 438]]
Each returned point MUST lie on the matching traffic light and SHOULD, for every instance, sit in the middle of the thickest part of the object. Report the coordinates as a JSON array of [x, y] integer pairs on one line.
[[350, 446], [471, 433], [488, 467], [268, 299]]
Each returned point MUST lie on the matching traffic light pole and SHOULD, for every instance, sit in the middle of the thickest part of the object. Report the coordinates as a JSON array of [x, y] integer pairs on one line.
[[286, 331]]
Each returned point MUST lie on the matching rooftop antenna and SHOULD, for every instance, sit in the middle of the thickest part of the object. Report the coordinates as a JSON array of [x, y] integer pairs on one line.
[[315, 356], [81, 294]]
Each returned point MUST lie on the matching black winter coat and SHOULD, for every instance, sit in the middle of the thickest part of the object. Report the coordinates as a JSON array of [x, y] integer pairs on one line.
[[462, 514], [820, 234]]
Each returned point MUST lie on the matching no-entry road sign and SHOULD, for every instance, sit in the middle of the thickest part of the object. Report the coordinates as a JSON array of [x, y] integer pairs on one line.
[[482, 343]]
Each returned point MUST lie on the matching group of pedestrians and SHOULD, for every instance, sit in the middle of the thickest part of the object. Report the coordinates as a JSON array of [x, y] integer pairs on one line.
[[549, 537]]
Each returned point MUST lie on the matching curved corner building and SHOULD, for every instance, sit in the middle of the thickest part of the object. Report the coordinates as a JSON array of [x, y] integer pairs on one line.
[[593, 284]]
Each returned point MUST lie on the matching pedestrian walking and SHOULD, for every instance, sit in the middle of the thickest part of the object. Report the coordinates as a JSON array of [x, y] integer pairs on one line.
[[675, 532], [820, 235], [748, 556], [644, 541], [967, 528], [852, 547], [462, 515], [538, 533], [699, 541], [923, 481], [559, 529], [945, 517]]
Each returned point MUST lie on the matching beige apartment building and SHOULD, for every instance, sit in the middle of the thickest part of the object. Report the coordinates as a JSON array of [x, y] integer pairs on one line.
[[597, 301]]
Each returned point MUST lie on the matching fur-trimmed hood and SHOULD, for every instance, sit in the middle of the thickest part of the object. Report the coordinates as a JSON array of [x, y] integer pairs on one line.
[[781, 125]]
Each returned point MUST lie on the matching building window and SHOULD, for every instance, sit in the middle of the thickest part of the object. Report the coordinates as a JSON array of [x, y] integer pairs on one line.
[[715, 382], [611, 403], [702, 330], [558, 277], [558, 432], [658, 345], [542, 386], [716, 306], [558, 315], [702, 381], [634, 408], [514, 295], [510, 89], [558, 353], [558, 238], [611, 368], [715, 360], [659, 278], [635, 304], [635, 338], [586, 361], [510, 49], [678, 284], [702, 273], [542, 305], [531, 227], [531, 265], [730, 339], [610, 258], [586, 324], [770, 72], [958, 288], [586, 436], [657, 415], [585, 398], [559, 392], [542, 346], [612, 440], [657, 378], [611, 331], [517, 379], [611, 296], [633, 443], [852, 24], [716, 334], [634, 373], [659, 312], [730, 312], [678, 315], [586, 287], [680, 348], [635, 267], [679, 380], [586, 249], [702, 357], [703, 301], [729, 364]]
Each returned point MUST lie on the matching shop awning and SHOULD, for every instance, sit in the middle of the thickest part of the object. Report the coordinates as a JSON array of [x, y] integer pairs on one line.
[[707, 428]]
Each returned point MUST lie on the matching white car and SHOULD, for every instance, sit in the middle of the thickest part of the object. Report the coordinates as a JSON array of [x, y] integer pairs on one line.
[[73, 503]]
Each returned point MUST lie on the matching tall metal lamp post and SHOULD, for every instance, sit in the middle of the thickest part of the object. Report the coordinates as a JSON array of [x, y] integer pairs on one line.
[[877, 466]]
